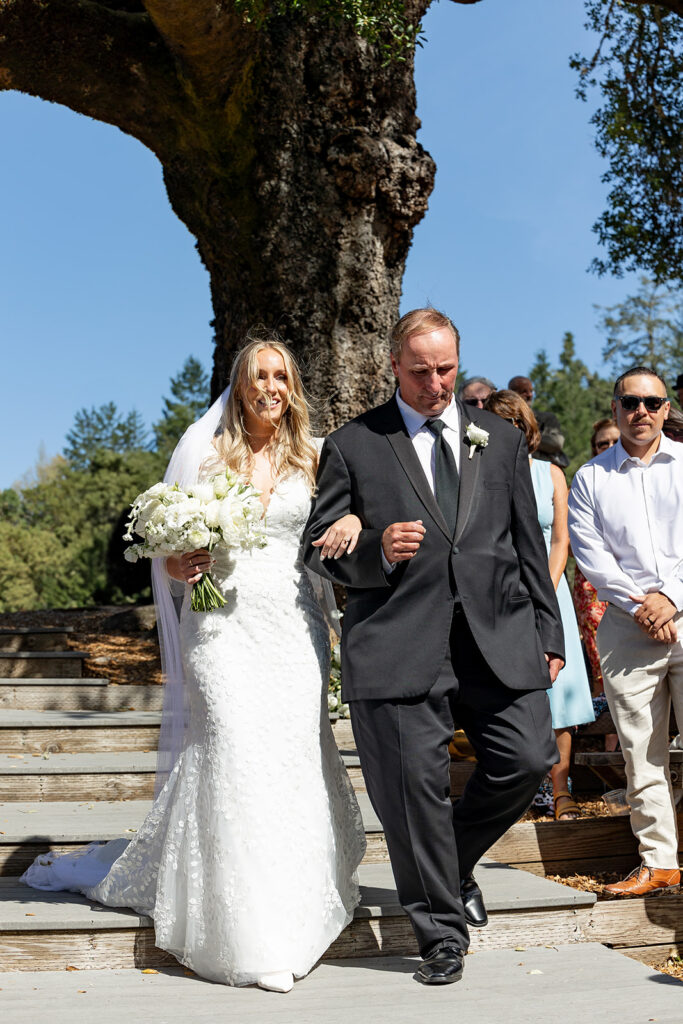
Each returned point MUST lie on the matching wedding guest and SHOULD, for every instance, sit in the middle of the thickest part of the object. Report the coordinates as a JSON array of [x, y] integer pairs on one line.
[[550, 447], [626, 526], [589, 609], [673, 425], [570, 696], [678, 388], [475, 390]]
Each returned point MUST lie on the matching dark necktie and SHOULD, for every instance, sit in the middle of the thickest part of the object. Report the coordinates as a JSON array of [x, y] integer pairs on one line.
[[446, 480]]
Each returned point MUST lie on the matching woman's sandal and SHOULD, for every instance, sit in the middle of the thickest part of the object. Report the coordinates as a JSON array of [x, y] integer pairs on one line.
[[569, 807]]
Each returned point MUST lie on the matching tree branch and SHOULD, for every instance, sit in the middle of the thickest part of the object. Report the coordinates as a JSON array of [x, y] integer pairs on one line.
[[110, 65], [675, 6], [201, 35]]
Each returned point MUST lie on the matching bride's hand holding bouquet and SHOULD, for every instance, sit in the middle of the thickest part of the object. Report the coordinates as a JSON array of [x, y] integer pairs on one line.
[[186, 526]]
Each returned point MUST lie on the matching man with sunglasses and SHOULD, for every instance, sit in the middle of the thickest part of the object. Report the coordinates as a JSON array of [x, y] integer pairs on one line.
[[626, 528]]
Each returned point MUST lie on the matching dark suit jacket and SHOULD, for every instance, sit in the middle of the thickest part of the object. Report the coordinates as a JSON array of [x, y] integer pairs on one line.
[[396, 626]]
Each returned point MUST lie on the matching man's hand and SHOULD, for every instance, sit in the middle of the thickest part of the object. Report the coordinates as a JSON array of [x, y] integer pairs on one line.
[[656, 611], [555, 663], [400, 541], [666, 634]]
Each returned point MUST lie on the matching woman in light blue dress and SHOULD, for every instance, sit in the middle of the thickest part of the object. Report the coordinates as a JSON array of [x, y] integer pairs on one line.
[[570, 696]]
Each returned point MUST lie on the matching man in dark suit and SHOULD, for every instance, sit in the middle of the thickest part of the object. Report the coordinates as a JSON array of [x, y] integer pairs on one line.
[[451, 613]]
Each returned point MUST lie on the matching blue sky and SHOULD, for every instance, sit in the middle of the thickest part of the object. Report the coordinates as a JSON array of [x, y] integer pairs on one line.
[[103, 296]]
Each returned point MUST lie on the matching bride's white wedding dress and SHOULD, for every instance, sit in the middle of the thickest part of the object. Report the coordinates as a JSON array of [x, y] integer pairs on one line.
[[247, 861]]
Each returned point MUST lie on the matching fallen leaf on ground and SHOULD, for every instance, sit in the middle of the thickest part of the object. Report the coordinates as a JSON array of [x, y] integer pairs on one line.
[[149, 970], [534, 972], [71, 968], [520, 949], [29, 915]]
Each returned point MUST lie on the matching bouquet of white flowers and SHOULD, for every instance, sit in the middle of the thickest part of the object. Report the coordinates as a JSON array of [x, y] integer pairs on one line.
[[220, 512]]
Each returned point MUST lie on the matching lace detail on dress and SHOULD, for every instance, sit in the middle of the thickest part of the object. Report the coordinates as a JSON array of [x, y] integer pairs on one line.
[[247, 861]]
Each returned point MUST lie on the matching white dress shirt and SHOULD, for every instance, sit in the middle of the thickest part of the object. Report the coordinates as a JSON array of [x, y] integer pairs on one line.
[[423, 439], [424, 442], [626, 524]]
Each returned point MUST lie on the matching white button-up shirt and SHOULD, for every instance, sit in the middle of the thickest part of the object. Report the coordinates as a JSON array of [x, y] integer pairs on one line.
[[626, 524], [423, 439]]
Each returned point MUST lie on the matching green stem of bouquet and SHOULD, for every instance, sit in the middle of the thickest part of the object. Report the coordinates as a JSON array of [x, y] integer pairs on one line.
[[205, 595]]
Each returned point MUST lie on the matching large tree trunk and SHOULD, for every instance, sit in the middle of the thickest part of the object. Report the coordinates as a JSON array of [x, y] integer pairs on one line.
[[306, 220], [289, 151]]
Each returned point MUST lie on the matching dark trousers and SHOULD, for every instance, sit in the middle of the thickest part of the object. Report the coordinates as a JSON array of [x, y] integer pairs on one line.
[[403, 750]]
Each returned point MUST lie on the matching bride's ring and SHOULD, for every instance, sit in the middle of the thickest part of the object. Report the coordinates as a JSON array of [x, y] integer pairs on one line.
[[346, 540]]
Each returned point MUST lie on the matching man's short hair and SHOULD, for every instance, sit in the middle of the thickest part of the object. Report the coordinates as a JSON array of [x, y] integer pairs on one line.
[[515, 382], [637, 371], [420, 321], [476, 380]]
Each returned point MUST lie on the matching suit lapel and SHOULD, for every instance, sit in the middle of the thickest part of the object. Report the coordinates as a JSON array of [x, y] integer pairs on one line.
[[469, 474], [398, 438]]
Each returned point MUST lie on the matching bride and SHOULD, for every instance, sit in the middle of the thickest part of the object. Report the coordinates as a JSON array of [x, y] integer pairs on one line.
[[247, 861]]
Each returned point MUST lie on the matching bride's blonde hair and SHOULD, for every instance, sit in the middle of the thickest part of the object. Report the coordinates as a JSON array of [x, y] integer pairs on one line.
[[291, 447]]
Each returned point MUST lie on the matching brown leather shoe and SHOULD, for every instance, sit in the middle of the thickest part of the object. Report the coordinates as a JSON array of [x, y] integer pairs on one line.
[[645, 881]]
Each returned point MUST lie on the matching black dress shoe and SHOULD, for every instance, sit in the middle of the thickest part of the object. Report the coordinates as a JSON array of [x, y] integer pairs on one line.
[[442, 967], [473, 902]]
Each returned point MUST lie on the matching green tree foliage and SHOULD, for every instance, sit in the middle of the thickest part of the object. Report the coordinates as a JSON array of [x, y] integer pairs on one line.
[[383, 22], [33, 570], [190, 392], [103, 429], [576, 396], [638, 68], [61, 526], [71, 514], [645, 330]]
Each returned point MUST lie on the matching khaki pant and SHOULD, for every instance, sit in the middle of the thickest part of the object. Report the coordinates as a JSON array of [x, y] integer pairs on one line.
[[642, 678]]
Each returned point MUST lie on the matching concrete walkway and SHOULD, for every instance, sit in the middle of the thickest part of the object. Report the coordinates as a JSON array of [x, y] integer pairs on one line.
[[582, 984]]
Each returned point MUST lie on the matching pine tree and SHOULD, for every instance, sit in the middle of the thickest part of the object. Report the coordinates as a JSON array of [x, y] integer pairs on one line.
[[103, 429], [577, 396], [190, 398], [645, 330]]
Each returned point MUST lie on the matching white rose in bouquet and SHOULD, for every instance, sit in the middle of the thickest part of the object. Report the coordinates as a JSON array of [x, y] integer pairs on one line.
[[219, 512]]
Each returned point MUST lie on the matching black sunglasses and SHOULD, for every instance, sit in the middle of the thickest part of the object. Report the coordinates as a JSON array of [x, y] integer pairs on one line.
[[474, 401], [629, 403]]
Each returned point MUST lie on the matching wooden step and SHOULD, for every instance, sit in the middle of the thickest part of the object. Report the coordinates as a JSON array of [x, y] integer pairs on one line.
[[584, 846], [29, 638], [52, 931], [126, 775], [85, 694], [40, 664], [609, 767], [87, 732]]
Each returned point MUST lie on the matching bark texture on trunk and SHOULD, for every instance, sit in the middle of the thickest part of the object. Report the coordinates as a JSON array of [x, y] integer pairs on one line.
[[289, 151]]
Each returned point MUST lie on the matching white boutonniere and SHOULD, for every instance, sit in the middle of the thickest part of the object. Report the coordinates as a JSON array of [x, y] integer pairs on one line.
[[477, 437]]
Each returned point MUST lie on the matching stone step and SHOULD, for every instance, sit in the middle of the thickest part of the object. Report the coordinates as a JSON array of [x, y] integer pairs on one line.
[[38, 732], [85, 694], [568, 984], [103, 775], [28, 828], [30, 638], [40, 664], [52, 931]]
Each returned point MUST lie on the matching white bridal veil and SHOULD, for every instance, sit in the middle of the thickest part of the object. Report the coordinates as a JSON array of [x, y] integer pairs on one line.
[[183, 469]]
